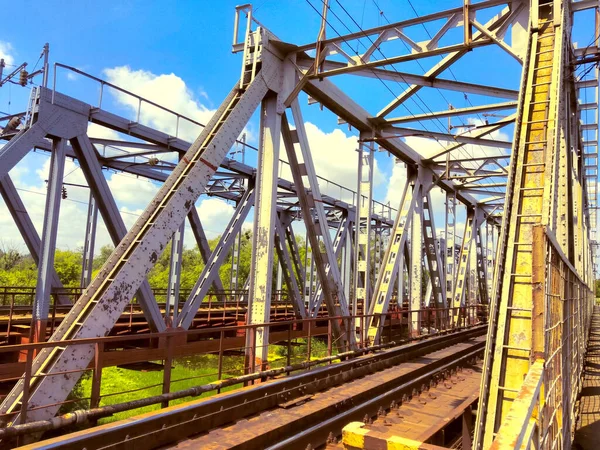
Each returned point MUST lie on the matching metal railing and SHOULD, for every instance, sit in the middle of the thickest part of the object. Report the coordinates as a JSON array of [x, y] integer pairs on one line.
[[543, 412], [179, 121], [298, 338]]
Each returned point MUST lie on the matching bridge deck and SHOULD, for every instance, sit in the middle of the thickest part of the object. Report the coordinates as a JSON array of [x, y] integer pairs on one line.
[[587, 432]]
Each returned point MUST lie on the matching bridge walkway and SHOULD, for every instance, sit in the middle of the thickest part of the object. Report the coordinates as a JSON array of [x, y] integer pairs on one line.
[[587, 429]]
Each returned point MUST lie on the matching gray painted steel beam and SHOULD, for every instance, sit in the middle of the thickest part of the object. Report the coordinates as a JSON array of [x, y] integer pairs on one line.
[[214, 261], [41, 303], [86, 155], [27, 229], [263, 237], [202, 242]]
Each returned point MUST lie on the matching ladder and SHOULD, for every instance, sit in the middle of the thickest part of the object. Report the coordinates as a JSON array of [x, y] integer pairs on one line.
[[509, 343]]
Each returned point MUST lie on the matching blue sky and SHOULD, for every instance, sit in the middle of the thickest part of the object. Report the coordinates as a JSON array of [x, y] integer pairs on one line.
[[184, 49]]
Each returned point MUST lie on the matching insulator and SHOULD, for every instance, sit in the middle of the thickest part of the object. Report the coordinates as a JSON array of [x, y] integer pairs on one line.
[[12, 125], [64, 193], [153, 161], [23, 77]]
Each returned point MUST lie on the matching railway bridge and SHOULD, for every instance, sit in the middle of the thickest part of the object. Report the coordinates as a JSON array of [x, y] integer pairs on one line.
[[461, 316]]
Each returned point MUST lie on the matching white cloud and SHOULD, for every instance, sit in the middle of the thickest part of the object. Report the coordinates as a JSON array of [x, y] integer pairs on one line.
[[131, 191], [6, 50], [100, 132], [215, 215]]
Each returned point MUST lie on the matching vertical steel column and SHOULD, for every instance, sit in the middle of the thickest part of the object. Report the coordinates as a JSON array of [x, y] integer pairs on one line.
[[347, 264], [235, 261], [416, 250], [51, 212], [463, 266], [362, 239], [490, 255], [473, 278], [263, 239], [401, 267], [387, 277], [481, 268], [432, 252], [90, 241], [308, 273], [450, 236], [174, 277]]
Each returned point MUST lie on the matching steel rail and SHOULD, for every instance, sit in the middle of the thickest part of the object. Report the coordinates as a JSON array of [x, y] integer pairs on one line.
[[163, 427], [323, 432]]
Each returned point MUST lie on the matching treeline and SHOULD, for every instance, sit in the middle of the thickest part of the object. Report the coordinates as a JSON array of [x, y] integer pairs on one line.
[[19, 269]]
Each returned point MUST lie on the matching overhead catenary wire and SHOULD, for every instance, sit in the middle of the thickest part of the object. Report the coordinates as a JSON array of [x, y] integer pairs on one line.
[[441, 126]]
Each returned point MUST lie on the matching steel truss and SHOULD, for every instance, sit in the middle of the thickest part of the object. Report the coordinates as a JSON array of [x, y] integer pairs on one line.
[[358, 250]]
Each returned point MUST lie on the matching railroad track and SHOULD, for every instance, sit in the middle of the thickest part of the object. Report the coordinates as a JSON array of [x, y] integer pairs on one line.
[[295, 411]]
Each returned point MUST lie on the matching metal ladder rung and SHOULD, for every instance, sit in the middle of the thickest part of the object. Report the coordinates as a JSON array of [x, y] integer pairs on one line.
[[518, 349], [502, 388], [534, 165], [514, 308], [545, 83], [530, 122], [529, 215]]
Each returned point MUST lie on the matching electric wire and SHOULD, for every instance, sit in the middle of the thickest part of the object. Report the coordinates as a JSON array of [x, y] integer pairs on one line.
[[461, 149]]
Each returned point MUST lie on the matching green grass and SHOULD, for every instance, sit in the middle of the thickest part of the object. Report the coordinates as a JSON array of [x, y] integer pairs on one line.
[[121, 385]]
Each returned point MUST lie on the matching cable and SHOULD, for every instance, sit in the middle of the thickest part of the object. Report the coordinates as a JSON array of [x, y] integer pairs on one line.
[[462, 149]]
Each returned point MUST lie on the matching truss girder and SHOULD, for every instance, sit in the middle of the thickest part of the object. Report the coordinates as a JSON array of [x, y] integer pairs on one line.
[[388, 275], [95, 313], [362, 253], [432, 253], [92, 171], [317, 231], [263, 236], [526, 312], [450, 235]]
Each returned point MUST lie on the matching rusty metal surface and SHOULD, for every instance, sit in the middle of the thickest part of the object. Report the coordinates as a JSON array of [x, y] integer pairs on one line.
[[273, 426], [422, 417], [587, 430], [170, 425]]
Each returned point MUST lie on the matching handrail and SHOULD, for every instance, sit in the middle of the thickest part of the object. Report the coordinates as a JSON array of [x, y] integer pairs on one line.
[[520, 423], [386, 210]]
